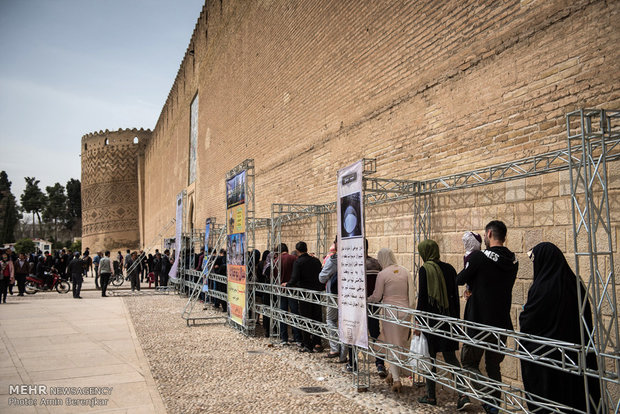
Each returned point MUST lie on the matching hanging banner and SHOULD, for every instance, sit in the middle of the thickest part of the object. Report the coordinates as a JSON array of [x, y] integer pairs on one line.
[[352, 322], [236, 246], [177, 238], [205, 258]]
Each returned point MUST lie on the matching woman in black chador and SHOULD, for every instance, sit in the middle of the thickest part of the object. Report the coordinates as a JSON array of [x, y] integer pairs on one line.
[[552, 311]]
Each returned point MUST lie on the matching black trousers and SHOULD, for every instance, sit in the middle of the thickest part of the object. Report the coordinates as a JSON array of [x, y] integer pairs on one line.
[[374, 330], [4, 286], [21, 283], [77, 279], [450, 358], [266, 320], [105, 279], [311, 311], [471, 357]]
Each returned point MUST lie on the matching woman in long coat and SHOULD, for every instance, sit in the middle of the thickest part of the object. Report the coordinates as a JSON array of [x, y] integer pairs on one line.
[[392, 288]]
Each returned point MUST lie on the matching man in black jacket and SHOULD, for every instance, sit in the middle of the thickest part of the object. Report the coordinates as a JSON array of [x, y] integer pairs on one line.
[[305, 275], [490, 274], [76, 270]]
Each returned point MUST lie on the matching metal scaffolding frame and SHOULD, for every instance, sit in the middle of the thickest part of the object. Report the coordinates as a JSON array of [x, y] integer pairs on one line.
[[593, 138], [250, 226], [196, 279], [586, 157], [283, 214], [592, 133]]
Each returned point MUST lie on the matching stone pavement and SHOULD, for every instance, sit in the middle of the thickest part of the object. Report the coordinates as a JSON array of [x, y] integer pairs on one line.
[[54, 340]]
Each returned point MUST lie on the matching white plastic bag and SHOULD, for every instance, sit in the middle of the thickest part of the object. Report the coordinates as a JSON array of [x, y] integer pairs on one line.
[[419, 353]]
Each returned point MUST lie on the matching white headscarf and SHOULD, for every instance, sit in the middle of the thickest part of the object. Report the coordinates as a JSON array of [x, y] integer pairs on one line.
[[472, 242], [386, 258]]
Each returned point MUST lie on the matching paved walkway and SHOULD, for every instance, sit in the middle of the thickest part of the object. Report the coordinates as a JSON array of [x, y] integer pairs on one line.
[[56, 341]]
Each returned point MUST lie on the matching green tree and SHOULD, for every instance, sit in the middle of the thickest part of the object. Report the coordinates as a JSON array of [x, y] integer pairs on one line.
[[74, 202], [9, 213], [76, 246], [33, 200], [25, 246], [56, 208]]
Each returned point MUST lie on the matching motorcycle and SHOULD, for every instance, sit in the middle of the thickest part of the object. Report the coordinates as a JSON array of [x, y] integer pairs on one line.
[[34, 284]]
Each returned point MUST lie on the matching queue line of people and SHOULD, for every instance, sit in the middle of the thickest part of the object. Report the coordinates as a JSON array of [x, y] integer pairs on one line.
[[488, 276]]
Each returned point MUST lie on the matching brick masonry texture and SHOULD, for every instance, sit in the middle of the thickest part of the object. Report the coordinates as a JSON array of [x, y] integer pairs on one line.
[[428, 88], [110, 191]]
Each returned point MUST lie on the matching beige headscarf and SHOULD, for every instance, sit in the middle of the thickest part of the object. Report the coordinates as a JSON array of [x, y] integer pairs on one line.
[[386, 258]]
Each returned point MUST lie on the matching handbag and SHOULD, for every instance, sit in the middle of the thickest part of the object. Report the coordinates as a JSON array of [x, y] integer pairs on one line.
[[419, 354]]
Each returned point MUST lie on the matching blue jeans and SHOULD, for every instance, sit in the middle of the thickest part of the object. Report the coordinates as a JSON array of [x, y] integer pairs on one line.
[[285, 303]]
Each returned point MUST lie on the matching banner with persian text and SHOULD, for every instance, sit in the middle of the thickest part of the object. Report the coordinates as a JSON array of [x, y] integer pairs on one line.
[[352, 322], [177, 238], [205, 257], [236, 247]]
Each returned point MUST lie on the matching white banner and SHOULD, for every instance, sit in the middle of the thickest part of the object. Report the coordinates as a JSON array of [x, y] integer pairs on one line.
[[177, 240], [352, 322]]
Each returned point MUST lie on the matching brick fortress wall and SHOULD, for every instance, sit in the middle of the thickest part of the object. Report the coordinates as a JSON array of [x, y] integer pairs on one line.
[[110, 188], [427, 89]]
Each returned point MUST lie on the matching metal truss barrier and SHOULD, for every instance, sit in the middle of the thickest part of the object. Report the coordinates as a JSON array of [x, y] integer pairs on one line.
[[197, 277], [595, 143], [482, 336], [463, 381], [150, 247], [593, 137]]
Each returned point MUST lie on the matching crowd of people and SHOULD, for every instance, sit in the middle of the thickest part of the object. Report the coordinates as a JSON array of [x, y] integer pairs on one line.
[[488, 275], [75, 266]]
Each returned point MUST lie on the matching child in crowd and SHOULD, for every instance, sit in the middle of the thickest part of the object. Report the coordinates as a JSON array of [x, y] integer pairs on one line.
[[472, 242]]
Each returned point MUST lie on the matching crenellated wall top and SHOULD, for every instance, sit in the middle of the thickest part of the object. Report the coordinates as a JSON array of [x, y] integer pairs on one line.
[[117, 138]]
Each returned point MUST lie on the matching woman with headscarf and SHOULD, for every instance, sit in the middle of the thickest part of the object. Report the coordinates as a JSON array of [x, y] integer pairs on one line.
[[552, 311], [438, 294], [392, 288]]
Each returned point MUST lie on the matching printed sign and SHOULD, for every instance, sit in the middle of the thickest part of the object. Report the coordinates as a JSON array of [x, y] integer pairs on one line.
[[352, 322], [177, 238], [236, 246]]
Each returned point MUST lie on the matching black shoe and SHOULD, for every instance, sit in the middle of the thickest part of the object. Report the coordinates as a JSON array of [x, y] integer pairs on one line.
[[426, 400], [462, 403], [489, 410]]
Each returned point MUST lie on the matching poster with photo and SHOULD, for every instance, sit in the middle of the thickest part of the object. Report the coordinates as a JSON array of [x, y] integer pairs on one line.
[[235, 190], [236, 246], [205, 260], [177, 237], [352, 322]]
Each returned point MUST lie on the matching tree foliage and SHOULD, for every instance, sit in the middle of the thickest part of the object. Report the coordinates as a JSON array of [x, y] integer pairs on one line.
[[25, 246], [74, 202], [33, 200], [9, 214], [55, 210]]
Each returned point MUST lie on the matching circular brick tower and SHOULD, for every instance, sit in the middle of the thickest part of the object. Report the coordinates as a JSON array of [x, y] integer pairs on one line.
[[111, 188]]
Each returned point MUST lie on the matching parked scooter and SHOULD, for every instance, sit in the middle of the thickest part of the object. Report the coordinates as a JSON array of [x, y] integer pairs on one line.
[[34, 284]]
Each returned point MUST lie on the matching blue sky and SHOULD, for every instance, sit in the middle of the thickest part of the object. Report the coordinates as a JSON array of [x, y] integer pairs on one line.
[[70, 67]]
